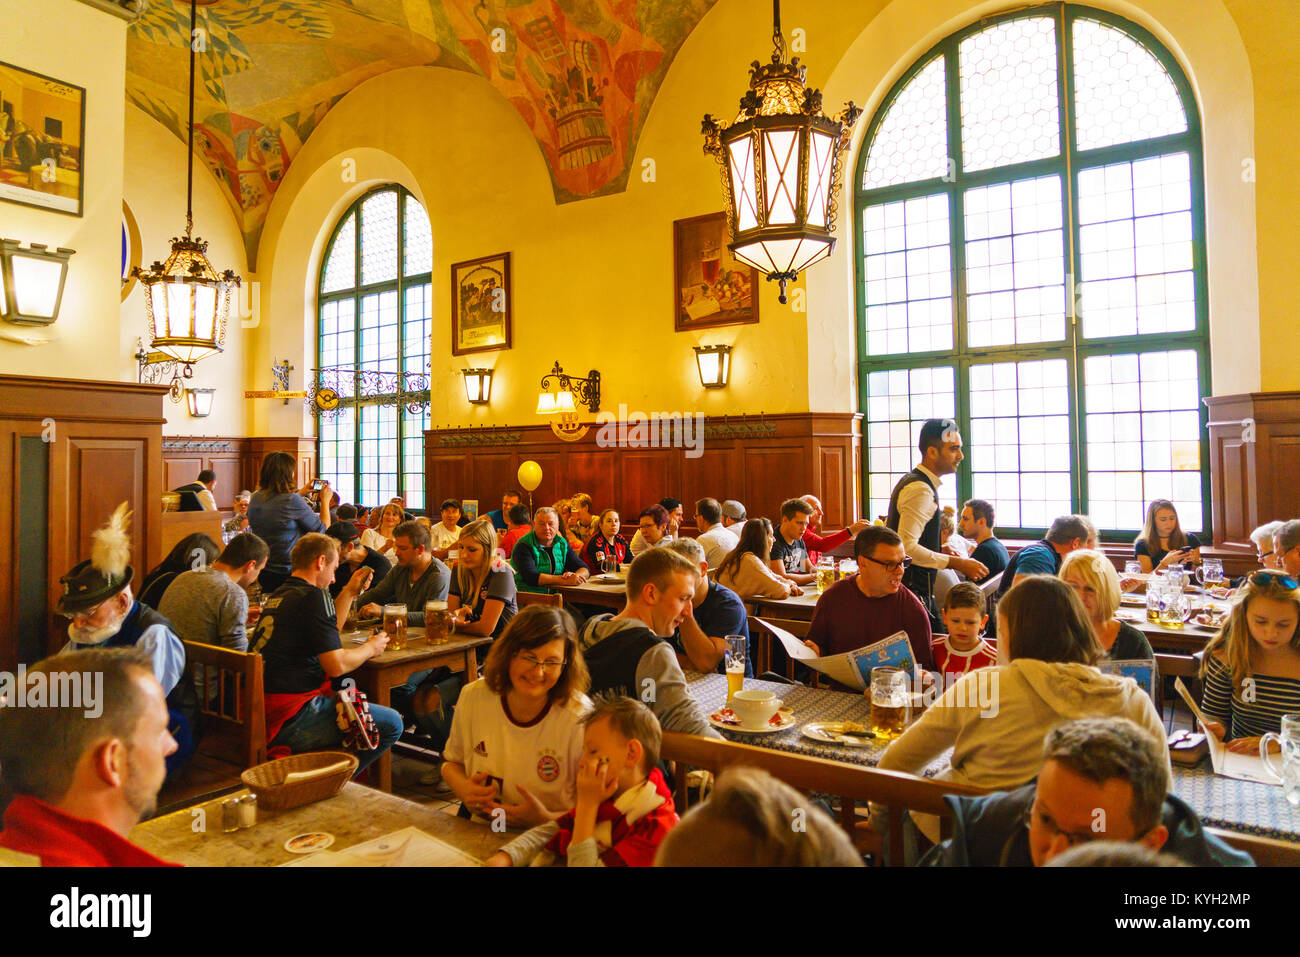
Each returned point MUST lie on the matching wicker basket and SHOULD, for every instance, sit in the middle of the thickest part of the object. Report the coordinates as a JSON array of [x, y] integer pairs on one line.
[[267, 780]]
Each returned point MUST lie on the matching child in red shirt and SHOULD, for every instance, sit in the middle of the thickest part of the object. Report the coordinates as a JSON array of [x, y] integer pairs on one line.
[[624, 807], [964, 648]]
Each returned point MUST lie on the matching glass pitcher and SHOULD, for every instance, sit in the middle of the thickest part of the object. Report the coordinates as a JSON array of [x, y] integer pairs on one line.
[[1210, 573], [1289, 770]]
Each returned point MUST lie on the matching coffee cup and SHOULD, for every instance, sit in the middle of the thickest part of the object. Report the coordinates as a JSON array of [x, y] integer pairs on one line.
[[755, 708]]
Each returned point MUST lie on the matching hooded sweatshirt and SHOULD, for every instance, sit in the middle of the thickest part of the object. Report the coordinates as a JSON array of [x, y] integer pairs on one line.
[[625, 657], [989, 831], [995, 719]]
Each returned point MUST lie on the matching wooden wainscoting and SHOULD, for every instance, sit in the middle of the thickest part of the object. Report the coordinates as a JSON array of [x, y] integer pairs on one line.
[[70, 451], [236, 460], [1254, 463], [761, 460]]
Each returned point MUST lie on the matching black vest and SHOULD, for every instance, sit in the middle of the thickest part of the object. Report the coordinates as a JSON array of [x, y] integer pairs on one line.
[[612, 662], [920, 580], [190, 496]]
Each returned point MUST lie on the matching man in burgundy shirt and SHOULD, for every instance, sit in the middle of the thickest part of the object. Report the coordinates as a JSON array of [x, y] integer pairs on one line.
[[817, 544], [873, 604], [86, 770]]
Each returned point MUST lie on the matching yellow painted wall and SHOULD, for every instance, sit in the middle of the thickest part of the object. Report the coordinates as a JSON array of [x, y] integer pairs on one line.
[[75, 44], [154, 189], [1271, 32]]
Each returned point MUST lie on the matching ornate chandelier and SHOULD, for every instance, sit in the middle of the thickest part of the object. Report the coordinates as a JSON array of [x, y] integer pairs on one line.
[[187, 302], [781, 167]]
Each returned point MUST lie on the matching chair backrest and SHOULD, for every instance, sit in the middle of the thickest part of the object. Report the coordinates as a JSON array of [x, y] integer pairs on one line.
[[852, 783], [1266, 851], [990, 586], [234, 721], [537, 598]]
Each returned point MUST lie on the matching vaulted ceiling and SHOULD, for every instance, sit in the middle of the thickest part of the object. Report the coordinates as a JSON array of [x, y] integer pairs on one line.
[[581, 73]]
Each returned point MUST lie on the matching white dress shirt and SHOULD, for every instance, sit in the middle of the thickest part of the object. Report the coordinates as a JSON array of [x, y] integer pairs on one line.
[[206, 500], [916, 506], [718, 543]]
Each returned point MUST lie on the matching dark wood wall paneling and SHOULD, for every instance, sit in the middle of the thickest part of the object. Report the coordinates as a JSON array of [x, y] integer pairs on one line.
[[71, 450], [237, 461], [1254, 464], [759, 460]]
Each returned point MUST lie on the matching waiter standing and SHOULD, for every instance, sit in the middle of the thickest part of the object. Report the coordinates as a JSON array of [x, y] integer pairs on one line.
[[914, 512]]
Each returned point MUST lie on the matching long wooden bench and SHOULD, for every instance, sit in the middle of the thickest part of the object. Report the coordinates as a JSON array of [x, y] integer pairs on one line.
[[852, 784], [234, 726]]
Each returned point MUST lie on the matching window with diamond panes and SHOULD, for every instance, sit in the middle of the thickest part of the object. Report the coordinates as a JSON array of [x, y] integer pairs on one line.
[[1030, 207], [375, 308]]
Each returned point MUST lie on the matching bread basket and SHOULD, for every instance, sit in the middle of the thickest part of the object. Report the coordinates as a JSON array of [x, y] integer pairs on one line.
[[300, 778]]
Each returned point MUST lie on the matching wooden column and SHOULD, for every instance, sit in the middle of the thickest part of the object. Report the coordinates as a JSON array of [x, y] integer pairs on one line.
[[1254, 463]]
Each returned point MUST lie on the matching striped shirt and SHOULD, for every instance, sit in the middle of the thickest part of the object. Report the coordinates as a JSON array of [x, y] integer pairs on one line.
[[1273, 697]]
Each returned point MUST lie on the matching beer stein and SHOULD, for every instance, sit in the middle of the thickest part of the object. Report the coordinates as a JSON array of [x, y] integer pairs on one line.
[[1289, 770], [395, 625], [890, 702], [1210, 573], [438, 622]]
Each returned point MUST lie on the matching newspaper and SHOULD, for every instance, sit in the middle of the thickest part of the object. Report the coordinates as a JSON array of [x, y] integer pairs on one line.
[[852, 668]]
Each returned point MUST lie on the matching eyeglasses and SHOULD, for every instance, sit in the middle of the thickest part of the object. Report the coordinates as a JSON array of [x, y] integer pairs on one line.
[[1072, 839], [533, 662], [889, 567], [1262, 579]]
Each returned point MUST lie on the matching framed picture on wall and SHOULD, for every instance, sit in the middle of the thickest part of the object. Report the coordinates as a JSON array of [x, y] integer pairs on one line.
[[711, 287], [480, 304], [42, 140]]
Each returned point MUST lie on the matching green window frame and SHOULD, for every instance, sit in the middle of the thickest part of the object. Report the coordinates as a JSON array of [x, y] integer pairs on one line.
[[381, 326], [1075, 349]]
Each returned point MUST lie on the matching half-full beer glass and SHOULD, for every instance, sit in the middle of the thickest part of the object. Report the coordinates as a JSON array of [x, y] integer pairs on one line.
[[735, 657], [890, 702]]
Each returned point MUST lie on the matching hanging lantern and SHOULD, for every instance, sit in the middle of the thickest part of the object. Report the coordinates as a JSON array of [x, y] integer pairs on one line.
[[186, 300], [781, 167]]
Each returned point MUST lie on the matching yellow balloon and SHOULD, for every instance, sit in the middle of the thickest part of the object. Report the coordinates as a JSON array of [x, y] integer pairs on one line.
[[530, 475]]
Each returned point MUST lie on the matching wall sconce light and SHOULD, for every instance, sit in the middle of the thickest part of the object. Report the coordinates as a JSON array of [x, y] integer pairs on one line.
[[478, 385], [200, 402], [714, 363], [570, 390], [31, 282]]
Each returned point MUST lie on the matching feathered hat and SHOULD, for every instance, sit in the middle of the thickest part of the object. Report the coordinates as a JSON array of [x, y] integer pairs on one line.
[[106, 572]]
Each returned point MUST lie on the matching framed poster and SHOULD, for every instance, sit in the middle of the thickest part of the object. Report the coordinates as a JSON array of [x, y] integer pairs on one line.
[[42, 140], [480, 304], [711, 287]]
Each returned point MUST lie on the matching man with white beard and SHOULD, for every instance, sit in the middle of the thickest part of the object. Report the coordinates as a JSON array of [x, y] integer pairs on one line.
[[97, 597]]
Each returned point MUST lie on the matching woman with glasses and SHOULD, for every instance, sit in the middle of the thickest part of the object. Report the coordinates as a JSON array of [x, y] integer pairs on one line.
[[1252, 666], [745, 569], [516, 738], [994, 719]]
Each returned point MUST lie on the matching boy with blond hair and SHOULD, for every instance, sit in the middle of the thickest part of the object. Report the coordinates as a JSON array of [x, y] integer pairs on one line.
[[624, 808]]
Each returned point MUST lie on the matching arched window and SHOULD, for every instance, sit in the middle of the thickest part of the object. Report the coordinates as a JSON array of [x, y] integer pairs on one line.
[[1032, 262], [375, 303]]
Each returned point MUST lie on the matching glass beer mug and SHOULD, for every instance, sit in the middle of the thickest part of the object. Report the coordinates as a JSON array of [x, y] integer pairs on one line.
[[395, 625], [1210, 573], [1289, 771], [890, 702], [735, 656], [438, 622], [826, 573]]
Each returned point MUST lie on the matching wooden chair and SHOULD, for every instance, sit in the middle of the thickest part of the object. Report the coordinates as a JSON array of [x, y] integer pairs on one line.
[[799, 629], [990, 586], [1266, 851], [852, 783], [525, 598], [1177, 666], [234, 725]]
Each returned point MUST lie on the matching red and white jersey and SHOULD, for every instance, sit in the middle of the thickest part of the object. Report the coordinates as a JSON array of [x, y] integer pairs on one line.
[[949, 661]]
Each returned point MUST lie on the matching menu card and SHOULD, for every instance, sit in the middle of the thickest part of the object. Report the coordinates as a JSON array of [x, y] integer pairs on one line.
[[1230, 764], [409, 847]]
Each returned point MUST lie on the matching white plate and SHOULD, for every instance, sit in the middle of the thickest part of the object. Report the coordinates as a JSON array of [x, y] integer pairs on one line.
[[815, 731], [788, 721]]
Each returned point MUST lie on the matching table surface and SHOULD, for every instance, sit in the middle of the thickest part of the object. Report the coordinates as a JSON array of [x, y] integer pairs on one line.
[[417, 647], [795, 608], [1219, 801], [355, 815], [1190, 637]]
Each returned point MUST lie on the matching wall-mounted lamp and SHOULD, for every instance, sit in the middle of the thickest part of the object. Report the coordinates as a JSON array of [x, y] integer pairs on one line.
[[570, 391], [714, 363], [200, 402], [31, 282], [478, 385]]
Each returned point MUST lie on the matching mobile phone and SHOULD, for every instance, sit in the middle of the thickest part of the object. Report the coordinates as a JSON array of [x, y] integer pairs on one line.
[[316, 484]]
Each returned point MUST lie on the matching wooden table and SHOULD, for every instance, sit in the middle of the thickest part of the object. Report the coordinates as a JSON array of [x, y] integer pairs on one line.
[[588, 593], [795, 608], [381, 674], [1187, 640], [354, 815]]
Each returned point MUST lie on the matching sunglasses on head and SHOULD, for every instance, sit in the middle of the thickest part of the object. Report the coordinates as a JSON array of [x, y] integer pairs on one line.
[[1262, 579]]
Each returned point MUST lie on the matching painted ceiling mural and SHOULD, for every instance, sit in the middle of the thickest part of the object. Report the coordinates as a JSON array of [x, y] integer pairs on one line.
[[581, 73]]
